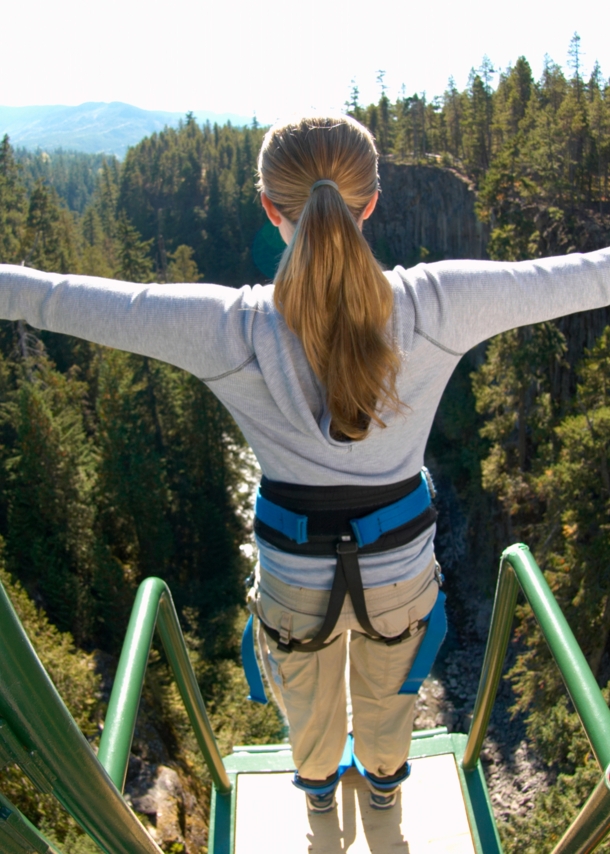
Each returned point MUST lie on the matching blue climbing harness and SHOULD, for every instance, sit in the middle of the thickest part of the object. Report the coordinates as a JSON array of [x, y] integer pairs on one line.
[[345, 522], [365, 530]]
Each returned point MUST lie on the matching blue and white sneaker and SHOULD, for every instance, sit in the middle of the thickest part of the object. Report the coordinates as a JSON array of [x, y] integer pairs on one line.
[[384, 790], [320, 795], [321, 803]]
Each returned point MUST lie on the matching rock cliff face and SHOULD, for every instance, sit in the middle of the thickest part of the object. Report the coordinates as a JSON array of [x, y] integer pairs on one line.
[[427, 213], [424, 213]]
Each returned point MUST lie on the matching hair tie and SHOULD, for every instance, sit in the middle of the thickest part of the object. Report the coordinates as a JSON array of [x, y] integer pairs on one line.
[[324, 182]]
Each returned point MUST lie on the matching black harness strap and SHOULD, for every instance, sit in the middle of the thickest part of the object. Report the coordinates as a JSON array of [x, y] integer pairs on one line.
[[335, 604], [331, 535], [329, 510], [347, 563], [347, 578]]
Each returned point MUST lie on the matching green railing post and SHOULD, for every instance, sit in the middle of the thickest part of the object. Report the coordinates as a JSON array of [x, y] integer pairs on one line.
[[42, 735], [154, 607], [591, 824], [573, 666], [18, 835], [122, 711], [177, 653], [495, 653], [518, 567]]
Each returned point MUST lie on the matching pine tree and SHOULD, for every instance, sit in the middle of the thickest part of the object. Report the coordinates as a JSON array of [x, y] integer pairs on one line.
[[574, 62], [477, 126], [182, 268], [512, 388], [511, 100], [106, 196], [383, 128], [98, 254], [51, 240], [134, 263], [12, 206], [353, 106], [453, 105], [134, 499], [50, 475], [599, 122]]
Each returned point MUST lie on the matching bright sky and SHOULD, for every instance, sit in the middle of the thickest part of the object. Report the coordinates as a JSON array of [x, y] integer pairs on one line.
[[273, 57]]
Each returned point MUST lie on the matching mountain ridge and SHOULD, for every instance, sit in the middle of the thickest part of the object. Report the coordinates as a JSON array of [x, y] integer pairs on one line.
[[94, 127]]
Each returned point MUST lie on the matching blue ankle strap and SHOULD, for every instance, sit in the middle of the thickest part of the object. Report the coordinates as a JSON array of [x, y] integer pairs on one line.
[[315, 790], [350, 760], [396, 779], [347, 760]]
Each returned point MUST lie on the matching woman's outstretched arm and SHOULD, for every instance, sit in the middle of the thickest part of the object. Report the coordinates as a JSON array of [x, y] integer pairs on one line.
[[461, 303], [201, 328]]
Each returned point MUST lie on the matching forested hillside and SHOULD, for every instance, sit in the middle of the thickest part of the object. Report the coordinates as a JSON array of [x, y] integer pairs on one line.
[[114, 467]]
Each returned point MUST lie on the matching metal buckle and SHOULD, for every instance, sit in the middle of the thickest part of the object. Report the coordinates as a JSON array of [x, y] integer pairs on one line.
[[431, 486], [438, 574], [284, 647], [347, 546]]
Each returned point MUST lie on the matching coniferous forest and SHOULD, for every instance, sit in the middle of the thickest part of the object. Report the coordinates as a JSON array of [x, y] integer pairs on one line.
[[114, 467]]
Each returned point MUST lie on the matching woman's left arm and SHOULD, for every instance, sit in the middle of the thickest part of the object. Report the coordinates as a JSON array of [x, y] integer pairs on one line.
[[461, 303], [201, 328]]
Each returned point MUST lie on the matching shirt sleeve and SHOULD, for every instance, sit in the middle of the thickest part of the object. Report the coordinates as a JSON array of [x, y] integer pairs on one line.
[[205, 329], [458, 304]]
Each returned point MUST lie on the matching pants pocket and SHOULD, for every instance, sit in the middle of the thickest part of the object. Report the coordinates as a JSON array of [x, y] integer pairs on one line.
[[406, 613], [290, 622]]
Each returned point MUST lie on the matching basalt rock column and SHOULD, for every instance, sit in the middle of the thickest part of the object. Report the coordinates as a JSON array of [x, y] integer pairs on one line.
[[424, 213]]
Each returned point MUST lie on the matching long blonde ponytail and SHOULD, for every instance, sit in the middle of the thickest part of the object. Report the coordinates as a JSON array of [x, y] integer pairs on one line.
[[329, 287]]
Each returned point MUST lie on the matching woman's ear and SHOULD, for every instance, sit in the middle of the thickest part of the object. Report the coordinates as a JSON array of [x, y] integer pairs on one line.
[[371, 206], [285, 226], [271, 210]]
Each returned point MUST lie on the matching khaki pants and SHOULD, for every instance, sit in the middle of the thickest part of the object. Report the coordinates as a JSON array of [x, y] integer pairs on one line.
[[310, 686]]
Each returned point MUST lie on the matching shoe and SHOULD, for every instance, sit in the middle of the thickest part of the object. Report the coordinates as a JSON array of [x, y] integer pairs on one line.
[[385, 801], [320, 794], [321, 803], [384, 790]]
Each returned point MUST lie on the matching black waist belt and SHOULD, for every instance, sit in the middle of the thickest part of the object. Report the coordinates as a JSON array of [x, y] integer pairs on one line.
[[342, 521]]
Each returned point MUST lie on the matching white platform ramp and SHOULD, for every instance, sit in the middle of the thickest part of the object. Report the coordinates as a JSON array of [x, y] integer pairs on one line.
[[429, 818]]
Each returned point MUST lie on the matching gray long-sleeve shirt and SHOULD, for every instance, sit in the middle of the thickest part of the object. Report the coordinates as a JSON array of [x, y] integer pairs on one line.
[[237, 343]]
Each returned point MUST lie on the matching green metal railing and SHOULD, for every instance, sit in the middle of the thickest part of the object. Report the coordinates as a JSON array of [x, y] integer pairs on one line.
[[18, 835], [38, 733], [519, 569], [154, 608]]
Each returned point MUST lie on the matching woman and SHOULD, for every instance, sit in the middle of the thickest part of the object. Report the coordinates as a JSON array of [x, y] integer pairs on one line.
[[334, 376]]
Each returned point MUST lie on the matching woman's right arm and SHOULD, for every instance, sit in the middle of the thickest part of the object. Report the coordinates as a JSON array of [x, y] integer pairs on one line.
[[458, 304], [202, 328]]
